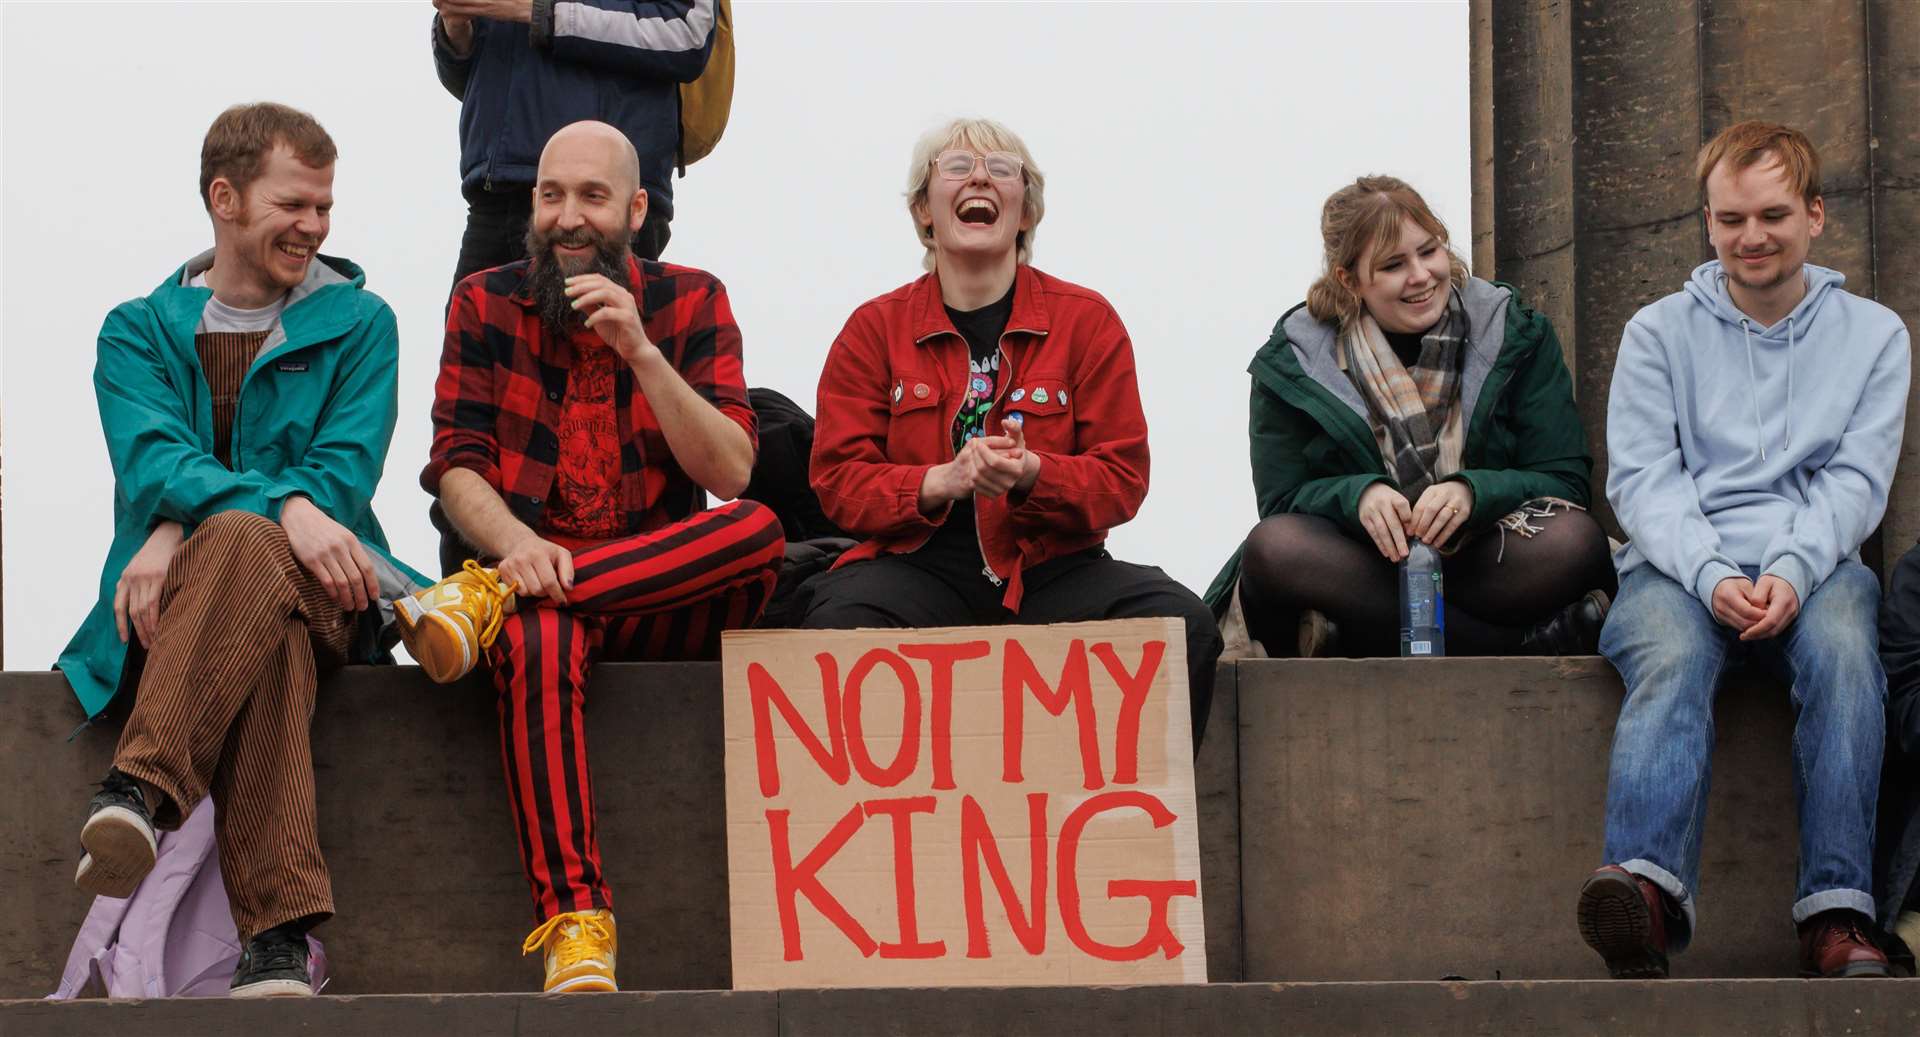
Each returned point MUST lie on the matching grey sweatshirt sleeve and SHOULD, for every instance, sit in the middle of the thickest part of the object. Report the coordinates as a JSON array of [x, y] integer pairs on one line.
[[1652, 493], [1848, 495]]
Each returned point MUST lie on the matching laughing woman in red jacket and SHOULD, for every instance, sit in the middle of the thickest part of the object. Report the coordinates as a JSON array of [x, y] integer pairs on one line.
[[981, 427]]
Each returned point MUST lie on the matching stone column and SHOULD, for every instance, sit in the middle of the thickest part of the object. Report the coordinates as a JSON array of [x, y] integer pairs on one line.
[[1480, 126], [1532, 155], [1637, 224], [1614, 99]]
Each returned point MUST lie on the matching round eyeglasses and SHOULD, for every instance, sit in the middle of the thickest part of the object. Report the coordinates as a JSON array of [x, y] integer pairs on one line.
[[958, 164]]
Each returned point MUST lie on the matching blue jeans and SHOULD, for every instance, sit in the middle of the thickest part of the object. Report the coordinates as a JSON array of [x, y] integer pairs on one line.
[[1670, 651]]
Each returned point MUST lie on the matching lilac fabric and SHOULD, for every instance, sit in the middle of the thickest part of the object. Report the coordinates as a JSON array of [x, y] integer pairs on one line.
[[174, 937]]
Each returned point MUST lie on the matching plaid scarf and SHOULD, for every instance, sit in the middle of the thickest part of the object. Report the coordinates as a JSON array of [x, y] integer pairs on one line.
[[1415, 413]]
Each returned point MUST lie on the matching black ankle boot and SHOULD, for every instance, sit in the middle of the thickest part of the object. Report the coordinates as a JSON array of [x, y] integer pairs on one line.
[[1574, 630]]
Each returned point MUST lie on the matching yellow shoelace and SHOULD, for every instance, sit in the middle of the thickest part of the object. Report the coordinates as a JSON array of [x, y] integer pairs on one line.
[[497, 593], [574, 947]]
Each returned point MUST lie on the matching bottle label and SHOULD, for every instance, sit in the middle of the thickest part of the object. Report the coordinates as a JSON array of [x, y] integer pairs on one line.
[[1420, 648]]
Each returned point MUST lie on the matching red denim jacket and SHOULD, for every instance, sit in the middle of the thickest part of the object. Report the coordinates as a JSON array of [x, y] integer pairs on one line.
[[887, 402], [503, 379]]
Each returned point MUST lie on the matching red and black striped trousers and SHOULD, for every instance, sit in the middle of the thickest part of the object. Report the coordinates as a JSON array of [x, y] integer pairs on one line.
[[664, 595]]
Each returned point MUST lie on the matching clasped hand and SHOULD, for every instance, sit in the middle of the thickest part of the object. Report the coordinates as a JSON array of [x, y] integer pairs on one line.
[[989, 465], [1388, 518], [1757, 610]]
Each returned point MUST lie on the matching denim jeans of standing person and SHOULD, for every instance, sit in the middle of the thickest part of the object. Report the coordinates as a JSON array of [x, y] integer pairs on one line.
[[1671, 652]]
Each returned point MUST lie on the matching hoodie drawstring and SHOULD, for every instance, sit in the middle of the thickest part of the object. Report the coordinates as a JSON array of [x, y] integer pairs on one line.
[[1790, 330], [1753, 387], [1753, 390]]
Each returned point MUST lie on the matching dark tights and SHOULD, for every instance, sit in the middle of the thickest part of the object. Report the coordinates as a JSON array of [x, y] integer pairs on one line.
[[1298, 562]]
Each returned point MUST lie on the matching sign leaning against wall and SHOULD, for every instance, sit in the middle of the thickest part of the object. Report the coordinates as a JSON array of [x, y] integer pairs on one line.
[[1000, 806]]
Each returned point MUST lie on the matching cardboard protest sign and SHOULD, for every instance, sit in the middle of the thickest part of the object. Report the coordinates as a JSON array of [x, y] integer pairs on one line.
[[1003, 806]]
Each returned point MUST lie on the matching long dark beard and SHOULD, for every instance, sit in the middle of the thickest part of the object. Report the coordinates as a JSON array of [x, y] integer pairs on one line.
[[547, 278]]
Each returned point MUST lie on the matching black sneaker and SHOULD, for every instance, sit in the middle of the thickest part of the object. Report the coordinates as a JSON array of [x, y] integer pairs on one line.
[[118, 839], [274, 965]]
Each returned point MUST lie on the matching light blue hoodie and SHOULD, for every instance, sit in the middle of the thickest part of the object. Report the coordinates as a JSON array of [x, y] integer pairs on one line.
[[1733, 445]]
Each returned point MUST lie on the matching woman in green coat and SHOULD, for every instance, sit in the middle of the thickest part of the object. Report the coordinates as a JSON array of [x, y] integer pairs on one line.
[[1407, 400]]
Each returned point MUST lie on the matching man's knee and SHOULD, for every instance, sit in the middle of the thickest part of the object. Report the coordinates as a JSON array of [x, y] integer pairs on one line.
[[1656, 628], [240, 527], [234, 545], [1838, 632], [758, 522]]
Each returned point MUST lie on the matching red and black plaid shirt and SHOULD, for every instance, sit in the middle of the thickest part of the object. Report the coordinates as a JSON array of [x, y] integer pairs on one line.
[[503, 379]]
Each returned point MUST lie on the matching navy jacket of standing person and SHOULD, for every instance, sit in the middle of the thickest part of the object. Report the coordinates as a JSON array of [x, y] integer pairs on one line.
[[533, 66]]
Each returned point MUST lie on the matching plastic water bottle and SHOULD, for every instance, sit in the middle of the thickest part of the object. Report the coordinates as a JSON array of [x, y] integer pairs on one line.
[[1423, 605]]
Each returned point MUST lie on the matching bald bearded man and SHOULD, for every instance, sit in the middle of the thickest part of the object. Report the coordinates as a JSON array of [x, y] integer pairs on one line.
[[588, 401]]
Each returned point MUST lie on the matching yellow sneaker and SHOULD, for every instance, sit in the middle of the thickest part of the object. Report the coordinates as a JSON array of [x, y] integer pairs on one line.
[[449, 624], [580, 949]]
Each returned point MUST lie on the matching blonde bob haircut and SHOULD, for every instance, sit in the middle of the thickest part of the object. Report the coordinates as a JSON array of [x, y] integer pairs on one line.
[[981, 135], [1368, 213]]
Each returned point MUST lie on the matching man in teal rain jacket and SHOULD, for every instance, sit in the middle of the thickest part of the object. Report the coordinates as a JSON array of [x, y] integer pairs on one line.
[[247, 403]]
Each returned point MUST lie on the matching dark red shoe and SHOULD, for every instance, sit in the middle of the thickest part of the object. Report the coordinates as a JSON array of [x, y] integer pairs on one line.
[[1835, 945], [1624, 917]]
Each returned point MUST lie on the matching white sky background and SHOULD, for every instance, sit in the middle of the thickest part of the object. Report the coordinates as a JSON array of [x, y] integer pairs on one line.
[[1187, 148]]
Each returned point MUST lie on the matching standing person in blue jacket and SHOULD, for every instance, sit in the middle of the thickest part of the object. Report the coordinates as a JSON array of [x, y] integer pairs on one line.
[[522, 69], [1752, 432], [247, 403]]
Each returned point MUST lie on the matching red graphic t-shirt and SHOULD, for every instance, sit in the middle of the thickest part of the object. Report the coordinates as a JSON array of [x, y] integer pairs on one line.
[[586, 503]]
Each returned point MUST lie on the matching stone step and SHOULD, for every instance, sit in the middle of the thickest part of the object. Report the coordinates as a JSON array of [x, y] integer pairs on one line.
[[1783, 1007], [1359, 820]]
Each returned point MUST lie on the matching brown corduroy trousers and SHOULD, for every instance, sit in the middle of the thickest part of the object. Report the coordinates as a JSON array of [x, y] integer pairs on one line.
[[225, 705]]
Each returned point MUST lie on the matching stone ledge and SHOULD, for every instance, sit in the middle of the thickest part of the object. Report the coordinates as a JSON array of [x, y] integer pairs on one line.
[[1788, 1008], [414, 821]]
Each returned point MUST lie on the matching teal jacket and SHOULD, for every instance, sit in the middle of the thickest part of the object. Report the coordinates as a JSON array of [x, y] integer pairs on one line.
[[1313, 449], [315, 416]]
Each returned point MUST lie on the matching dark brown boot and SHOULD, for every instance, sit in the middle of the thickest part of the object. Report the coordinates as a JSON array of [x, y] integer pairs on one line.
[[1835, 945], [1624, 918]]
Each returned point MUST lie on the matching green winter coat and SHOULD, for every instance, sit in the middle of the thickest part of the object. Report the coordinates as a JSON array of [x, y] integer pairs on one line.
[[1313, 449], [315, 416]]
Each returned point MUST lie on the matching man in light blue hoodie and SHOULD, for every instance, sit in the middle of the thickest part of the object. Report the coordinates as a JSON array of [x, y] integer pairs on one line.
[[1752, 431]]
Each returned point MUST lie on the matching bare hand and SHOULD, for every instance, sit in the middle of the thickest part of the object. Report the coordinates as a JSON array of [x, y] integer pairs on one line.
[[1733, 606], [1441, 510], [457, 27], [136, 598], [500, 10], [1384, 514], [331, 553], [610, 311], [1780, 604], [542, 568]]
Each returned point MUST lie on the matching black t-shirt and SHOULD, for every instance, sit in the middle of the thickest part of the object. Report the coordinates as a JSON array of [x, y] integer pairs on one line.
[[982, 329], [1407, 344]]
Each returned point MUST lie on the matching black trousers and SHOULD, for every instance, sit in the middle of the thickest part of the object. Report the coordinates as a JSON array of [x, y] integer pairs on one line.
[[1897, 882], [497, 230], [936, 587]]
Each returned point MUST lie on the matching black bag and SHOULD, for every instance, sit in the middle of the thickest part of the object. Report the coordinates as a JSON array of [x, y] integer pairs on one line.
[[779, 477]]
